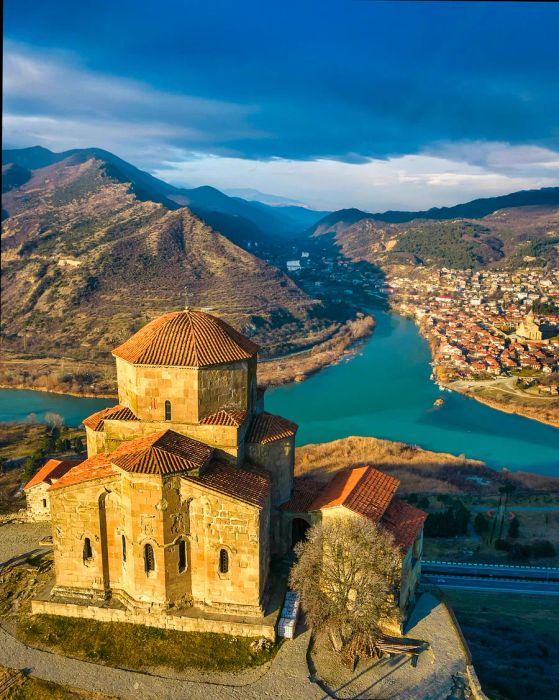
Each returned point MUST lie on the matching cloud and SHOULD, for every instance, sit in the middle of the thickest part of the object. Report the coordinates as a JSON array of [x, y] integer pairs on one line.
[[51, 100], [405, 182]]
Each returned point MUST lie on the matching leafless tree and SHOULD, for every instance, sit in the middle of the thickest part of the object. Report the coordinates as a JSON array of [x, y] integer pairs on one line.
[[346, 572], [54, 420]]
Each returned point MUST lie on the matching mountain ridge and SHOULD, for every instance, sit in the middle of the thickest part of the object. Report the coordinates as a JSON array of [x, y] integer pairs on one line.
[[474, 209]]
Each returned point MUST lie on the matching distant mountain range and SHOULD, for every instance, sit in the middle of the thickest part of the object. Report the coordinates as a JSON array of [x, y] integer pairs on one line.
[[92, 248], [476, 209], [243, 222]]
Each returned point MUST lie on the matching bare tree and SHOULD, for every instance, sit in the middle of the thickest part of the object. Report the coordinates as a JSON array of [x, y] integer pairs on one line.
[[54, 420], [346, 573]]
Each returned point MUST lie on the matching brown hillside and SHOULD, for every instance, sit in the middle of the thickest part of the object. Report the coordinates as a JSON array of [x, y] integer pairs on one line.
[[86, 263], [508, 237]]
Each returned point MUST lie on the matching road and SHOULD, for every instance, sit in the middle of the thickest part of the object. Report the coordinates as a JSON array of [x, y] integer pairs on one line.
[[518, 509], [489, 571], [497, 585]]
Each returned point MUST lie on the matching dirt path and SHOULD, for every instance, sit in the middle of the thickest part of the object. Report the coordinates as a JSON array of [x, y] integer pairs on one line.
[[287, 677]]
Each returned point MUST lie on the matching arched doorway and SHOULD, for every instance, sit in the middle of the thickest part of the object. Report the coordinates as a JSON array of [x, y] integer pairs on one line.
[[299, 529]]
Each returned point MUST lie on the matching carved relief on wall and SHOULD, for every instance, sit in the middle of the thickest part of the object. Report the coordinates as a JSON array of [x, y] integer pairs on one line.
[[177, 523], [148, 524]]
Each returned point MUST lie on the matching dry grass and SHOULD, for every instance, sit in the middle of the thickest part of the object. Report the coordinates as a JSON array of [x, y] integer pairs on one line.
[[139, 647], [300, 366], [37, 689], [419, 471], [514, 642]]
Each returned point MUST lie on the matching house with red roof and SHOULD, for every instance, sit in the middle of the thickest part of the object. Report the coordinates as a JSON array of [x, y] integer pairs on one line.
[[37, 488], [363, 492]]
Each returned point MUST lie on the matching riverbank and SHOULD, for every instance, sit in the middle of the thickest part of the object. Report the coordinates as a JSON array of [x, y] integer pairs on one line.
[[538, 410], [419, 470], [541, 409], [300, 366], [65, 376]]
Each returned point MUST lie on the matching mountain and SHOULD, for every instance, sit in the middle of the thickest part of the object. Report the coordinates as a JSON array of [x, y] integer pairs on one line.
[[512, 237], [477, 208], [92, 248], [245, 223], [253, 195]]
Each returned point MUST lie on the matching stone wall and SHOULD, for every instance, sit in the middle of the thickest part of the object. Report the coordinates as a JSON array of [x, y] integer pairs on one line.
[[181, 623], [193, 393], [278, 458], [122, 515], [225, 438], [38, 503], [218, 522]]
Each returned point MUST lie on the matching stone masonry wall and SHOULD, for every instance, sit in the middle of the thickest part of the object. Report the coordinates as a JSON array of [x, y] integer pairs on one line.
[[225, 438], [193, 392], [181, 623], [278, 458], [219, 522], [38, 503]]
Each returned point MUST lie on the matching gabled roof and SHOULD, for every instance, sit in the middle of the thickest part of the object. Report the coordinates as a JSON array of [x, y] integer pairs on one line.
[[96, 467], [304, 493], [403, 521], [364, 490], [249, 486], [50, 471], [266, 428], [164, 452], [96, 421], [186, 338], [225, 417]]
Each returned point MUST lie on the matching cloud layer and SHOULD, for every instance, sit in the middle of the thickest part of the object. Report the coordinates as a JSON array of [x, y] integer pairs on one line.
[[376, 105]]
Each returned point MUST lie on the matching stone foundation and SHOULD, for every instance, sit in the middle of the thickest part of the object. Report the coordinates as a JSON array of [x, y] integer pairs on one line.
[[237, 627]]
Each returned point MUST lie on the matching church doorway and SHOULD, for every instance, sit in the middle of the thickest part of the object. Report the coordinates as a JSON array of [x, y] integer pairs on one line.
[[299, 529]]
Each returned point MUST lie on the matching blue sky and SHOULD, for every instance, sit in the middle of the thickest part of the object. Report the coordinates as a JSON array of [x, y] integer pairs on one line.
[[351, 103]]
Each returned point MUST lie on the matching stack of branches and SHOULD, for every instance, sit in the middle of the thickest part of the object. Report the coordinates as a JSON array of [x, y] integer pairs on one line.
[[370, 644]]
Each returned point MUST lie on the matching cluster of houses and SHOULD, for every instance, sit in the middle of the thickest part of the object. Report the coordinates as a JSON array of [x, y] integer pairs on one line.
[[482, 324]]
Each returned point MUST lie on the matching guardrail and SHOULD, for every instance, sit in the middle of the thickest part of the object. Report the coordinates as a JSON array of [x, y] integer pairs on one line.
[[433, 562]]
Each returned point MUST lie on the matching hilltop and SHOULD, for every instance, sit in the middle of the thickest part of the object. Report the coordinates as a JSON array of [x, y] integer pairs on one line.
[[90, 253]]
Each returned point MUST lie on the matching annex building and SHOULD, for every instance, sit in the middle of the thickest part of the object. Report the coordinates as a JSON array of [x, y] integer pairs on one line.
[[188, 490]]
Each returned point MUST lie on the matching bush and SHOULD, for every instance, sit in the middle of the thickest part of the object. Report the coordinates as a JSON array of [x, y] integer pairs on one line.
[[481, 524], [514, 528], [451, 522], [543, 548]]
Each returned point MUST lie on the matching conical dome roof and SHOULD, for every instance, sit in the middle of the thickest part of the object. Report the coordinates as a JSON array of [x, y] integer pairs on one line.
[[188, 338]]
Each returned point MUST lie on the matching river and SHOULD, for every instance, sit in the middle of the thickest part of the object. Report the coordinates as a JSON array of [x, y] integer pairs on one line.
[[384, 391]]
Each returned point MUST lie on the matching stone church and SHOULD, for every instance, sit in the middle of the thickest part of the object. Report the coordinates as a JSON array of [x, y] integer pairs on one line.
[[188, 489]]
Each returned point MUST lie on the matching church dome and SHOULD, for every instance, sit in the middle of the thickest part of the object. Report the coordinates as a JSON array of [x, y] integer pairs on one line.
[[188, 338]]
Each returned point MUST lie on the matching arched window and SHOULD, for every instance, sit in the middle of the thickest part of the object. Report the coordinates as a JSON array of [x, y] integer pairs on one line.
[[123, 547], [44, 502], [223, 561], [87, 551], [149, 558], [167, 410], [182, 556]]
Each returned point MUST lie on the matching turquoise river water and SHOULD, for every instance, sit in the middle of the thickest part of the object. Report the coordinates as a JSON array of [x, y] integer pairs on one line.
[[385, 391]]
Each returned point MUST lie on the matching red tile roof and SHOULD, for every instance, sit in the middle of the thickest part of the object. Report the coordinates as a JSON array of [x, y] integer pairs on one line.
[[249, 486], [186, 339], [266, 428], [305, 492], [364, 490], [403, 521], [164, 452], [50, 471], [225, 417], [96, 467], [96, 420]]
